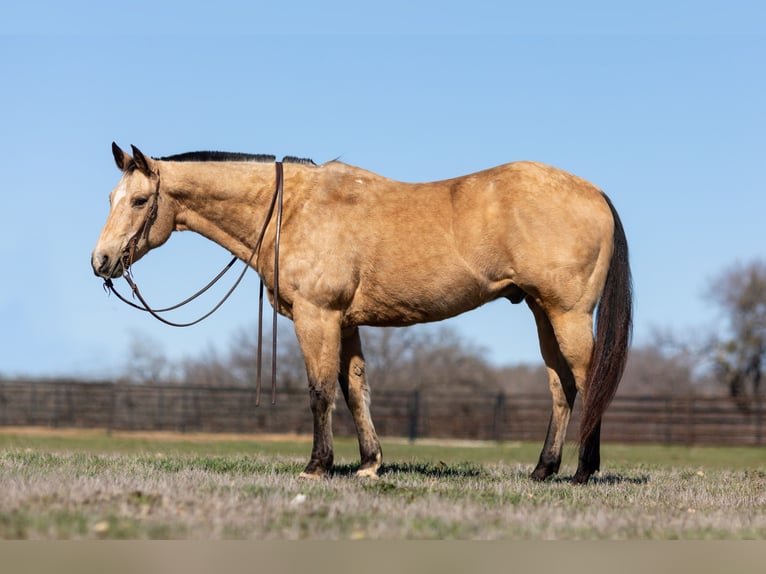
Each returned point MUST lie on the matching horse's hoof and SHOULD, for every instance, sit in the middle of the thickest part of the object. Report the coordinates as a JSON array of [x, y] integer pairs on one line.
[[310, 475], [540, 473], [581, 477], [371, 472]]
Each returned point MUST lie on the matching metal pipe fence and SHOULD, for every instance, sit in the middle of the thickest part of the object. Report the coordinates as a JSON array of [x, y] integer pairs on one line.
[[413, 414]]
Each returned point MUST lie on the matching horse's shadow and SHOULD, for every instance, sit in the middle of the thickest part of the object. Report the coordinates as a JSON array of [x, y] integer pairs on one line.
[[602, 479], [472, 470], [427, 469]]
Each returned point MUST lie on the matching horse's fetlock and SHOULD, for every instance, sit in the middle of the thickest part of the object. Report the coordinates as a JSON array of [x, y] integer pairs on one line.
[[318, 466]]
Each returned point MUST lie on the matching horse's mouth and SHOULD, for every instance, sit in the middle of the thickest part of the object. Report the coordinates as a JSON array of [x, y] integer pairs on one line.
[[114, 273]]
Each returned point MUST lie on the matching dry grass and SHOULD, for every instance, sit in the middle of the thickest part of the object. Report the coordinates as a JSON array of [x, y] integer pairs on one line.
[[76, 494]]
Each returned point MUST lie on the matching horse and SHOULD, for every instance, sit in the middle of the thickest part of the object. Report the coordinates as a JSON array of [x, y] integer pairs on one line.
[[359, 249]]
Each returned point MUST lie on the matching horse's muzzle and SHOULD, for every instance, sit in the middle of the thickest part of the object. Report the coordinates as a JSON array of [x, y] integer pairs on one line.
[[105, 266]]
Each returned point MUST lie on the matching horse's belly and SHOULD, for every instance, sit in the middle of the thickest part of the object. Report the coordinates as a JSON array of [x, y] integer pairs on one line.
[[421, 302]]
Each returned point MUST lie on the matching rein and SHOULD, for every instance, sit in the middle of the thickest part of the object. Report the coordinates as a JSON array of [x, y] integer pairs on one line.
[[143, 232]]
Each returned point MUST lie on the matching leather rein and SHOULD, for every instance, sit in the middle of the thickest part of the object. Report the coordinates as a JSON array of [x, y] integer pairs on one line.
[[143, 233]]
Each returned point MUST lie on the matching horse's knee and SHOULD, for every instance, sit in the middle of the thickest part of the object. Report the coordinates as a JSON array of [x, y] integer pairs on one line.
[[321, 398]]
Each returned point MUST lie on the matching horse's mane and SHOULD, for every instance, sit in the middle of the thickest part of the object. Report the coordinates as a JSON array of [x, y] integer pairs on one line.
[[233, 156], [299, 160]]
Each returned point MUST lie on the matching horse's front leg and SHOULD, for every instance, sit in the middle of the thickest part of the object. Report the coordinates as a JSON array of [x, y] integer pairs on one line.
[[318, 332], [353, 383]]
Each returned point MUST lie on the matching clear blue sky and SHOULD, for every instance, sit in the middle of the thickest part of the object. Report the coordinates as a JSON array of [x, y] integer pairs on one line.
[[660, 103]]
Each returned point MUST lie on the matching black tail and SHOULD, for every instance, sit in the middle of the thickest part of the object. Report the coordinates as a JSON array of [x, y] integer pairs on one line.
[[614, 326]]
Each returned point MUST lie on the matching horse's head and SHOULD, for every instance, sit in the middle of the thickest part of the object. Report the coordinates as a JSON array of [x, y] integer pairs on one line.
[[140, 218]]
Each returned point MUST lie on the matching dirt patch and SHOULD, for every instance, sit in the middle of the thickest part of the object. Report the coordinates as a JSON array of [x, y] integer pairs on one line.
[[169, 436], [202, 437]]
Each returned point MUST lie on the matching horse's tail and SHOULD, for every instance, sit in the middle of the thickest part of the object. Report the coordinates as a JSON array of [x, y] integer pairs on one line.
[[614, 325]]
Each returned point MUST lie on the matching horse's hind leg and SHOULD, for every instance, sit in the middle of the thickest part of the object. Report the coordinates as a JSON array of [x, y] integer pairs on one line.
[[574, 332], [563, 391], [318, 332], [590, 457], [353, 383]]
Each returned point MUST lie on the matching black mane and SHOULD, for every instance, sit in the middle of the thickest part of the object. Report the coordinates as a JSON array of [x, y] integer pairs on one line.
[[233, 156], [219, 156], [298, 160]]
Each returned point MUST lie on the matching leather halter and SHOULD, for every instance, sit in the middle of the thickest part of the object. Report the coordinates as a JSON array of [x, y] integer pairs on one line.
[[143, 233]]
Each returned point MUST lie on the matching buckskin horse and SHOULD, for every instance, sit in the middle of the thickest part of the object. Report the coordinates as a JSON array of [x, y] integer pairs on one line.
[[361, 249]]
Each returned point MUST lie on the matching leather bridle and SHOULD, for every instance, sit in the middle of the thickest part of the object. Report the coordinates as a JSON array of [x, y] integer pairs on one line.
[[143, 233], [143, 230]]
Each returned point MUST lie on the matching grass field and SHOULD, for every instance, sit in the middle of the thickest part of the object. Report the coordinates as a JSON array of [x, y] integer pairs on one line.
[[92, 485]]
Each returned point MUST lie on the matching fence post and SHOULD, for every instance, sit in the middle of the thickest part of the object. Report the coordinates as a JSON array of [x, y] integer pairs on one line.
[[161, 410], [414, 414], [184, 399], [33, 420], [111, 422], [497, 416], [668, 421], [56, 401], [692, 423]]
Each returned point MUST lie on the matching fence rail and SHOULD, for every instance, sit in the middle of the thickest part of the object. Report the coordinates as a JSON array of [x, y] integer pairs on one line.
[[413, 414]]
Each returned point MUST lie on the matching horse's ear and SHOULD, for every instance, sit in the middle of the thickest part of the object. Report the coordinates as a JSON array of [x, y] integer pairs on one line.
[[120, 157], [143, 164]]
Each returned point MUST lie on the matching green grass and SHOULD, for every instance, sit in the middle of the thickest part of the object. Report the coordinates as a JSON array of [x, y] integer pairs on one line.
[[346, 450], [91, 486]]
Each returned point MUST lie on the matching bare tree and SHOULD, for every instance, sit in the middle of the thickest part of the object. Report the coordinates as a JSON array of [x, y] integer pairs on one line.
[[147, 362], [524, 379], [420, 357], [653, 370], [208, 369], [738, 349], [426, 357], [243, 358], [388, 353], [656, 368], [237, 365]]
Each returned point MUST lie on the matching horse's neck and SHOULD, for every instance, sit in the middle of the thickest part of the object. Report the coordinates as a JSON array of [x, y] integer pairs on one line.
[[225, 202]]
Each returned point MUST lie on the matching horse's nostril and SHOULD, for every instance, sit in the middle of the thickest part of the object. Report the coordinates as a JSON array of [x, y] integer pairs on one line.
[[101, 264]]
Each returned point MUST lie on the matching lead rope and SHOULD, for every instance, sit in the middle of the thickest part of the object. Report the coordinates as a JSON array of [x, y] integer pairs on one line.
[[278, 198], [143, 231]]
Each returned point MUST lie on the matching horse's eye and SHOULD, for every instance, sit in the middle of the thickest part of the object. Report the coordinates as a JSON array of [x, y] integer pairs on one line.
[[138, 202]]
